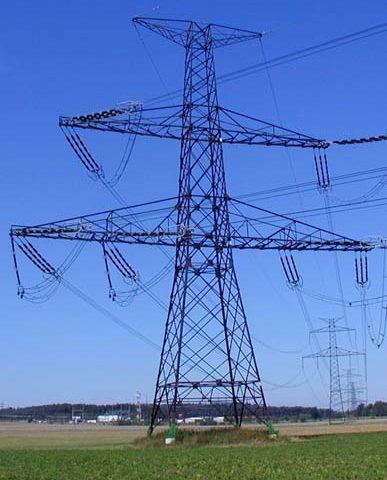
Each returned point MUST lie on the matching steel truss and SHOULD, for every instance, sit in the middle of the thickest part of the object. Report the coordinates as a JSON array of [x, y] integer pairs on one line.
[[207, 355], [333, 353]]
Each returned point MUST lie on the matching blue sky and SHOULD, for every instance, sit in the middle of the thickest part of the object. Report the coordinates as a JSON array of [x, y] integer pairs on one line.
[[82, 56]]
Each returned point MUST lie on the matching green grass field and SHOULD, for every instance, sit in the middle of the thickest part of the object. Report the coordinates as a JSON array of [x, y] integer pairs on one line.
[[330, 457]]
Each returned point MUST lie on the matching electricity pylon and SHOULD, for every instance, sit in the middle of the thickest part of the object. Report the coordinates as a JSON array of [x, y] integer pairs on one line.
[[207, 354], [334, 352], [354, 391]]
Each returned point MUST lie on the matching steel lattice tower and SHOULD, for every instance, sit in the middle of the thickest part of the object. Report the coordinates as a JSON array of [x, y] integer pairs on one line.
[[333, 353], [207, 355], [215, 361], [354, 390]]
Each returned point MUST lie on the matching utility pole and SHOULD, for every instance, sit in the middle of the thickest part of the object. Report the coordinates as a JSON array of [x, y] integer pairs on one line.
[[333, 353], [207, 355]]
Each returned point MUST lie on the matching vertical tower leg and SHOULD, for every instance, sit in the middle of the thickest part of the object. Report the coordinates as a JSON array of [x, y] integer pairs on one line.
[[207, 362]]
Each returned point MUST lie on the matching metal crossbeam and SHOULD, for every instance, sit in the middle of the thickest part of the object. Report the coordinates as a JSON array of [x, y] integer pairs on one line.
[[179, 31], [207, 355], [165, 122], [333, 352], [246, 232]]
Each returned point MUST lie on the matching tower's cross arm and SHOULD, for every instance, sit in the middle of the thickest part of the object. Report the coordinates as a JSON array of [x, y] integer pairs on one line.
[[123, 225], [178, 31], [166, 122]]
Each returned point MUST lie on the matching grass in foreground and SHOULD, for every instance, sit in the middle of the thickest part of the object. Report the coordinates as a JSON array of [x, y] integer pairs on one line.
[[336, 457]]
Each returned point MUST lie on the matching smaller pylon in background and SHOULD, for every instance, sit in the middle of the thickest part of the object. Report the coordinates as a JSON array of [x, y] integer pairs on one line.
[[138, 407], [354, 390], [78, 413], [333, 352]]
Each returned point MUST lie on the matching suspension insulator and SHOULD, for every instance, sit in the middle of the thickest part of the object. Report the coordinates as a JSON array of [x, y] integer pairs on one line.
[[20, 291], [290, 269], [321, 166], [361, 267]]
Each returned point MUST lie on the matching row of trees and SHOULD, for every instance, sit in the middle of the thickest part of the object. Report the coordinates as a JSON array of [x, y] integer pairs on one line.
[[64, 412], [377, 409]]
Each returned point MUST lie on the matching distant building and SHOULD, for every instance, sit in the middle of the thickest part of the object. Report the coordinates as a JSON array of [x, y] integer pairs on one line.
[[76, 419], [219, 420], [194, 420], [108, 418]]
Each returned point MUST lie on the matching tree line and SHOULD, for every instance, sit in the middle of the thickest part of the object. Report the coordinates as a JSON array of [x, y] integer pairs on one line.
[[65, 412]]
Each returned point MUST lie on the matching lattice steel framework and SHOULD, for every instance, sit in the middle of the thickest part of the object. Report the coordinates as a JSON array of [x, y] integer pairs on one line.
[[354, 390], [207, 354], [333, 353]]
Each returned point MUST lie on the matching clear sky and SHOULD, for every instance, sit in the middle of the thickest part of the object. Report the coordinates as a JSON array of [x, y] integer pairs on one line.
[[83, 56]]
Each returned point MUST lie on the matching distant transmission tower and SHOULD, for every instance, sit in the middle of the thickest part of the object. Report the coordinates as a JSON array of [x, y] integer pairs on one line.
[[138, 407], [334, 352], [354, 391], [207, 354], [78, 413]]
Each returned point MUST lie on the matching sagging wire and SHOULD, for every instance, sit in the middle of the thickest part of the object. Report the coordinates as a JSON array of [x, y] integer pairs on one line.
[[361, 262], [43, 265], [289, 383], [43, 291], [125, 298], [96, 306], [127, 155], [362, 283], [285, 59], [57, 276], [285, 190], [94, 169], [317, 364], [82, 152], [113, 256], [132, 278], [278, 350], [151, 60], [314, 338], [294, 282], [383, 311], [348, 303], [310, 384], [378, 338], [378, 187], [324, 181], [324, 187]]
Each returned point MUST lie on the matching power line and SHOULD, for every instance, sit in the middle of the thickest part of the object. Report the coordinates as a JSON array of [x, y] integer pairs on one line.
[[103, 311], [207, 351], [287, 58]]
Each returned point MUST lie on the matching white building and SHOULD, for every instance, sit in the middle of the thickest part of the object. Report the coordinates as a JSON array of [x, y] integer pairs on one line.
[[194, 420], [219, 420], [108, 418]]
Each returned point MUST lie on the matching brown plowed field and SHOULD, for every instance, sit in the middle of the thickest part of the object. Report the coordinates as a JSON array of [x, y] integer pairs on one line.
[[24, 435]]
